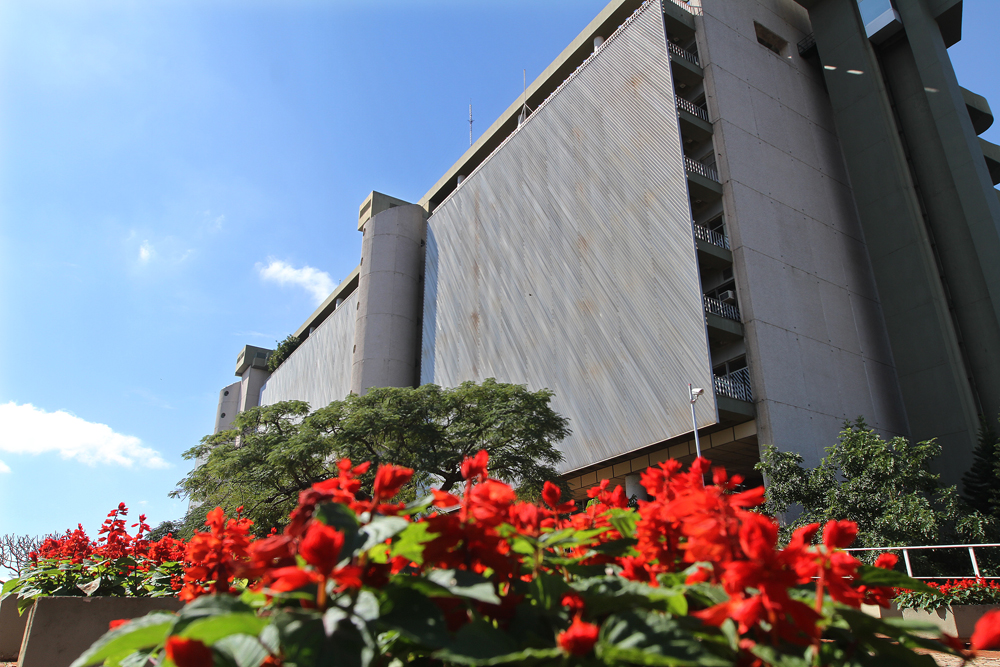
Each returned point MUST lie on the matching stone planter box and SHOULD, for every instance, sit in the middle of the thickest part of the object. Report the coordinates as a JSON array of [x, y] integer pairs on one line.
[[60, 629], [958, 621], [11, 629]]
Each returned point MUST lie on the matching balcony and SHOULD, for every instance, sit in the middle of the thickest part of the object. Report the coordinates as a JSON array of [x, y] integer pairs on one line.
[[701, 169], [709, 236], [681, 52], [722, 309], [736, 385], [686, 66], [692, 108]]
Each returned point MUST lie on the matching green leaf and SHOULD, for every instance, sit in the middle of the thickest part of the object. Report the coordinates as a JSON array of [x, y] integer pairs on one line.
[[649, 638], [380, 529], [877, 576], [476, 643], [210, 629], [624, 521], [410, 544], [606, 595], [139, 633], [90, 587], [8, 587], [343, 519], [244, 650], [415, 617], [465, 584], [615, 547]]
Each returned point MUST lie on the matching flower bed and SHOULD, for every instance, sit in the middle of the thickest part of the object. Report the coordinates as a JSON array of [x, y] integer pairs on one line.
[[693, 577], [957, 592]]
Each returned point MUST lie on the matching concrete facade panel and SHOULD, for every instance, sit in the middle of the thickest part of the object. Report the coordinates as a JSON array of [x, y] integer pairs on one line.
[[606, 311], [319, 371]]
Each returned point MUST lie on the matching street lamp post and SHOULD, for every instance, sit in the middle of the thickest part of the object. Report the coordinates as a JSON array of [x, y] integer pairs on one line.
[[694, 393]]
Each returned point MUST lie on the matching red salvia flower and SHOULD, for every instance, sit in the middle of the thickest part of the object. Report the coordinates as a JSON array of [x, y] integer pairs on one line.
[[579, 639], [986, 636], [321, 547], [189, 652], [388, 480]]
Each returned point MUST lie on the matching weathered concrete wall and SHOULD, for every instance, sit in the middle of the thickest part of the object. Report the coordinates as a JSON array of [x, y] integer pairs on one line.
[[387, 333], [11, 629], [60, 629], [816, 341], [567, 261], [319, 370]]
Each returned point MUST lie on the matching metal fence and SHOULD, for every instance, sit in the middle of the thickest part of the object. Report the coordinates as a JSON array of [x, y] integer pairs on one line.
[[684, 53], [697, 11], [692, 108], [701, 169], [971, 548], [709, 236], [735, 385], [722, 309]]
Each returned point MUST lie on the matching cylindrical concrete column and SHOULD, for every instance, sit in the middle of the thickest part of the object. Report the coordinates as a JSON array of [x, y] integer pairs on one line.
[[387, 331], [634, 487]]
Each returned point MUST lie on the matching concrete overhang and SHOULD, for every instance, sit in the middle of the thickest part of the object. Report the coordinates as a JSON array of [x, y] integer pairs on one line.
[[251, 356], [992, 154], [979, 110], [343, 290]]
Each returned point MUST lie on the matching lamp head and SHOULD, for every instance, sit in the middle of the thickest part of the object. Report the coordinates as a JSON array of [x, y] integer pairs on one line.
[[695, 393]]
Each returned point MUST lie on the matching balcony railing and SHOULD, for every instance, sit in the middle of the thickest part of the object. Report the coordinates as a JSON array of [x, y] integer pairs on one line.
[[722, 309], [709, 236], [735, 385], [701, 169], [683, 53], [685, 5], [692, 109]]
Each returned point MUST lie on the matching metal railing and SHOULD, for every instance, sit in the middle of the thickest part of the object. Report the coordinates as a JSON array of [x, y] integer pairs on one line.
[[722, 309], [909, 568], [701, 169], [709, 236], [683, 53], [735, 385], [692, 109], [696, 11], [807, 43]]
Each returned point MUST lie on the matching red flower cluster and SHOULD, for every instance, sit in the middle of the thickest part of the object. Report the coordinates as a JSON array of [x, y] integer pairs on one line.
[[214, 554]]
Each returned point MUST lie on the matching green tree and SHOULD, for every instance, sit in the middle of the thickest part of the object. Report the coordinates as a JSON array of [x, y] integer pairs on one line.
[[282, 351], [885, 486], [981, 484], [275, 451]]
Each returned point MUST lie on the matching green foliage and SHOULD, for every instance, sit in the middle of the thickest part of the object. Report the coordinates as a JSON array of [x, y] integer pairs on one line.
[[282, 351], [884, 486], [275, 451], [981, 484]]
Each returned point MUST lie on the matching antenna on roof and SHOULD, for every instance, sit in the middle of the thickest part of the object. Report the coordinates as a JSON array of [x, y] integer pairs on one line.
[[524, 99], [470, 123]]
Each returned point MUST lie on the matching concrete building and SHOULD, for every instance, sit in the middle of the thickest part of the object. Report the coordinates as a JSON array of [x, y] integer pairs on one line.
[[784, 202]]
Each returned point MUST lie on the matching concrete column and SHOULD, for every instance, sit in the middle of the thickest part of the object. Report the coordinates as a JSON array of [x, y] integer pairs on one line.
[[633, 487], [229, 405], [387, 331]]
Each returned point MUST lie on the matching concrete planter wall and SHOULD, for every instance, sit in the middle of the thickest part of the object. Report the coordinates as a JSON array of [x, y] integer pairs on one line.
[[958, 621], [60, 629], [11, 629]]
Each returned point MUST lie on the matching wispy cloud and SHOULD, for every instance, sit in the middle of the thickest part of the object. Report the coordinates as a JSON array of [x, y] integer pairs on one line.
[[4, 467], [256, 334], [31, 430], [318, 283], [145, 251]]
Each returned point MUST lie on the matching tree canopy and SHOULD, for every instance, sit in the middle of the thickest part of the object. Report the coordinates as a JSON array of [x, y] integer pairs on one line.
[[884, 485], [275, 451]]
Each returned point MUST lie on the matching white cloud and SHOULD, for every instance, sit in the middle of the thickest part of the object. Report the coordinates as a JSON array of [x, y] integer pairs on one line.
[[4, 467], [145, 251], [31, 430], [317, 282]]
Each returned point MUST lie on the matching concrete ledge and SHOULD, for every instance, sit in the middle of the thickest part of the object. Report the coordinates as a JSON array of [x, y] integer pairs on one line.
[[60, 629], [11, 629], [958, 621]]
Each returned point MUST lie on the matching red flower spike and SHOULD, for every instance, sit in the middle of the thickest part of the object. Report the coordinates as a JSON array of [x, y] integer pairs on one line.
[[189, 652], [551, 495], [839, 534], [986, 636], [321, 547], [579, 639], [887, 561], [474, 468], [388, 480], [573, 602], [118, 623]]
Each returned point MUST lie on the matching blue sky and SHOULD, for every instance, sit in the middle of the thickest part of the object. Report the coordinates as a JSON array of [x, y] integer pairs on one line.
[[156, 157]]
